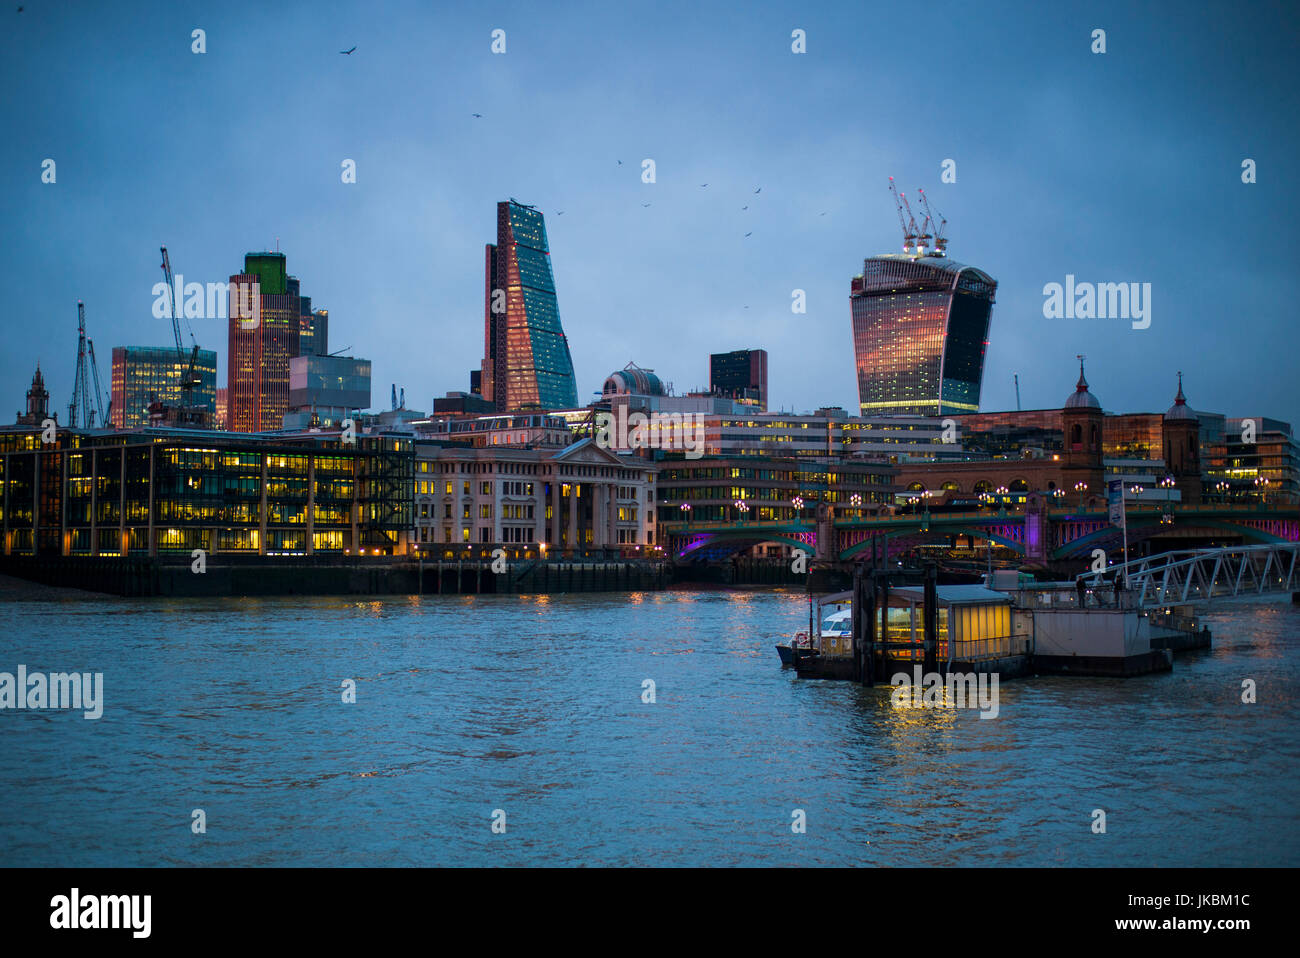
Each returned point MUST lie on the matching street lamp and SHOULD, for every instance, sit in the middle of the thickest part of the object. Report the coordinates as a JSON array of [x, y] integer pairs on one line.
[[1262, 485], [1222, 488], [1002, 502], [742, 508], [686, 512], [1080, 488], [797, 502]]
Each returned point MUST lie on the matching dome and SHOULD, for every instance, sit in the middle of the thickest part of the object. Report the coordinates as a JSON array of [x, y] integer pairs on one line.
[[1180, 409], [632, 379], [1081, 398]]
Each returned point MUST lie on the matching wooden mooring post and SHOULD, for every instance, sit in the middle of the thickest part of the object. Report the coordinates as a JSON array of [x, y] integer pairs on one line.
[[864, 627], [930, 619]]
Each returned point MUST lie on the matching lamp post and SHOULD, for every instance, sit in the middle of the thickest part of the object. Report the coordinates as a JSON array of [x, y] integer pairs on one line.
[[686, 512], [1262, 485], [1222, 488], [1080, 488], [1002, 502], [797, 502], [741, 509]]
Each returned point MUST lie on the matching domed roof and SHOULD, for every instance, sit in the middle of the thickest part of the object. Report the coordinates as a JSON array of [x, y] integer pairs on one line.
[[1180, 409], [635, 380], [1081, 398]]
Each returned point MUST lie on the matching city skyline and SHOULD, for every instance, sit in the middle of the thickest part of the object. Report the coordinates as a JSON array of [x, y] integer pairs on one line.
[[1083, 169]]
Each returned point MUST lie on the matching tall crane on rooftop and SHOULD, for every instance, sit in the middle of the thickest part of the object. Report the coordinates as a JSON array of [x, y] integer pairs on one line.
[[909, 237], [190, 380], [920, 239], [940, 224]]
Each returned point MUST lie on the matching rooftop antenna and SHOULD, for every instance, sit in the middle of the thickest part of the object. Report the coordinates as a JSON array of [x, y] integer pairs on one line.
[[1017, 379]]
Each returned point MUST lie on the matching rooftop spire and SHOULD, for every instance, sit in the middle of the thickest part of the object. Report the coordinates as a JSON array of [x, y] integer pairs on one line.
[[1180, 399], [1082, 384]]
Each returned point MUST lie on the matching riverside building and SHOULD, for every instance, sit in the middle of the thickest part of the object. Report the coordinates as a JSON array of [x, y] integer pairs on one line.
[[170, 491], [545, 499]]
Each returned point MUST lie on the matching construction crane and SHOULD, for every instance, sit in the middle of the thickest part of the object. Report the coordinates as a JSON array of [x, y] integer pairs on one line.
[[940, 241], [105, 408], [917, 238], [190, 380], [81, 387], [909, 237]]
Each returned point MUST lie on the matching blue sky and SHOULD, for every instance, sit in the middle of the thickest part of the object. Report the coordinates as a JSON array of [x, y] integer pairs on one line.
[[1124, 166]]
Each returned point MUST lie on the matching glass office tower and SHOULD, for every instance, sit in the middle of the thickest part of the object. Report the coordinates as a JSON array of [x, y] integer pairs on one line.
[[526, 362], [141, 374], [920, 328]]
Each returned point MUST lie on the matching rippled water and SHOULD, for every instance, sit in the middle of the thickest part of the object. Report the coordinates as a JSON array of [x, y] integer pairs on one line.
[[533, 705]]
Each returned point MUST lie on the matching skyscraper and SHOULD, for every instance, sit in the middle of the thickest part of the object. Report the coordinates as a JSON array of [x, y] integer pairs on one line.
[[257, 373], [740, 374], [920, 328], [526, 361]]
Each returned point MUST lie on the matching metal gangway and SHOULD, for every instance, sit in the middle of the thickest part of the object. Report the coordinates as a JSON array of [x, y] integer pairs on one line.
[[1201, 575]]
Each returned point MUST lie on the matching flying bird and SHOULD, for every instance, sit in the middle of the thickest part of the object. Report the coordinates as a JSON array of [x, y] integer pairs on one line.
[[347, 52], [759, 190], [620, 162], [750, 233], [744, 207], [477, 115], [644, 205], [821, 214], [703, 185], [559, 212]]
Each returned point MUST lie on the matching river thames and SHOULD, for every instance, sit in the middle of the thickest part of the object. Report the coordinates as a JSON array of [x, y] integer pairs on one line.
[[533, 706]]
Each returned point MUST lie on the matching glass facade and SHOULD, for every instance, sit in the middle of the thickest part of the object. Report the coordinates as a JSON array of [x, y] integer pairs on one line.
[[920, 329], [142, 373], [526, 363], [170, 491], [331, 381]]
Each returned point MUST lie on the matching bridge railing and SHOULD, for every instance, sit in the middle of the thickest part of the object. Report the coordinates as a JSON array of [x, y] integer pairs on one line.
[[1204, 574]]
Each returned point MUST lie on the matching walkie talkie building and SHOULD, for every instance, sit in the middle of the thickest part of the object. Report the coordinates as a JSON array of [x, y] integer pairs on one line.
[[920, 328], [526, 361]]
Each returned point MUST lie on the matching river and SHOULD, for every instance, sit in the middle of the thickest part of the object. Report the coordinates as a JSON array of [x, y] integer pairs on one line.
[[529, 710]]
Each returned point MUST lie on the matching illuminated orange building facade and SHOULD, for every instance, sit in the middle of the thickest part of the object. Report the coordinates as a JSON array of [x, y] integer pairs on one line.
[[257, 372]]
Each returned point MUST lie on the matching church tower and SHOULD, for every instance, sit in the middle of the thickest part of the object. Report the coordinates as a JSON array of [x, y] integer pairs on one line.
[[38, 402], [1180, 434], [1081, 453]]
